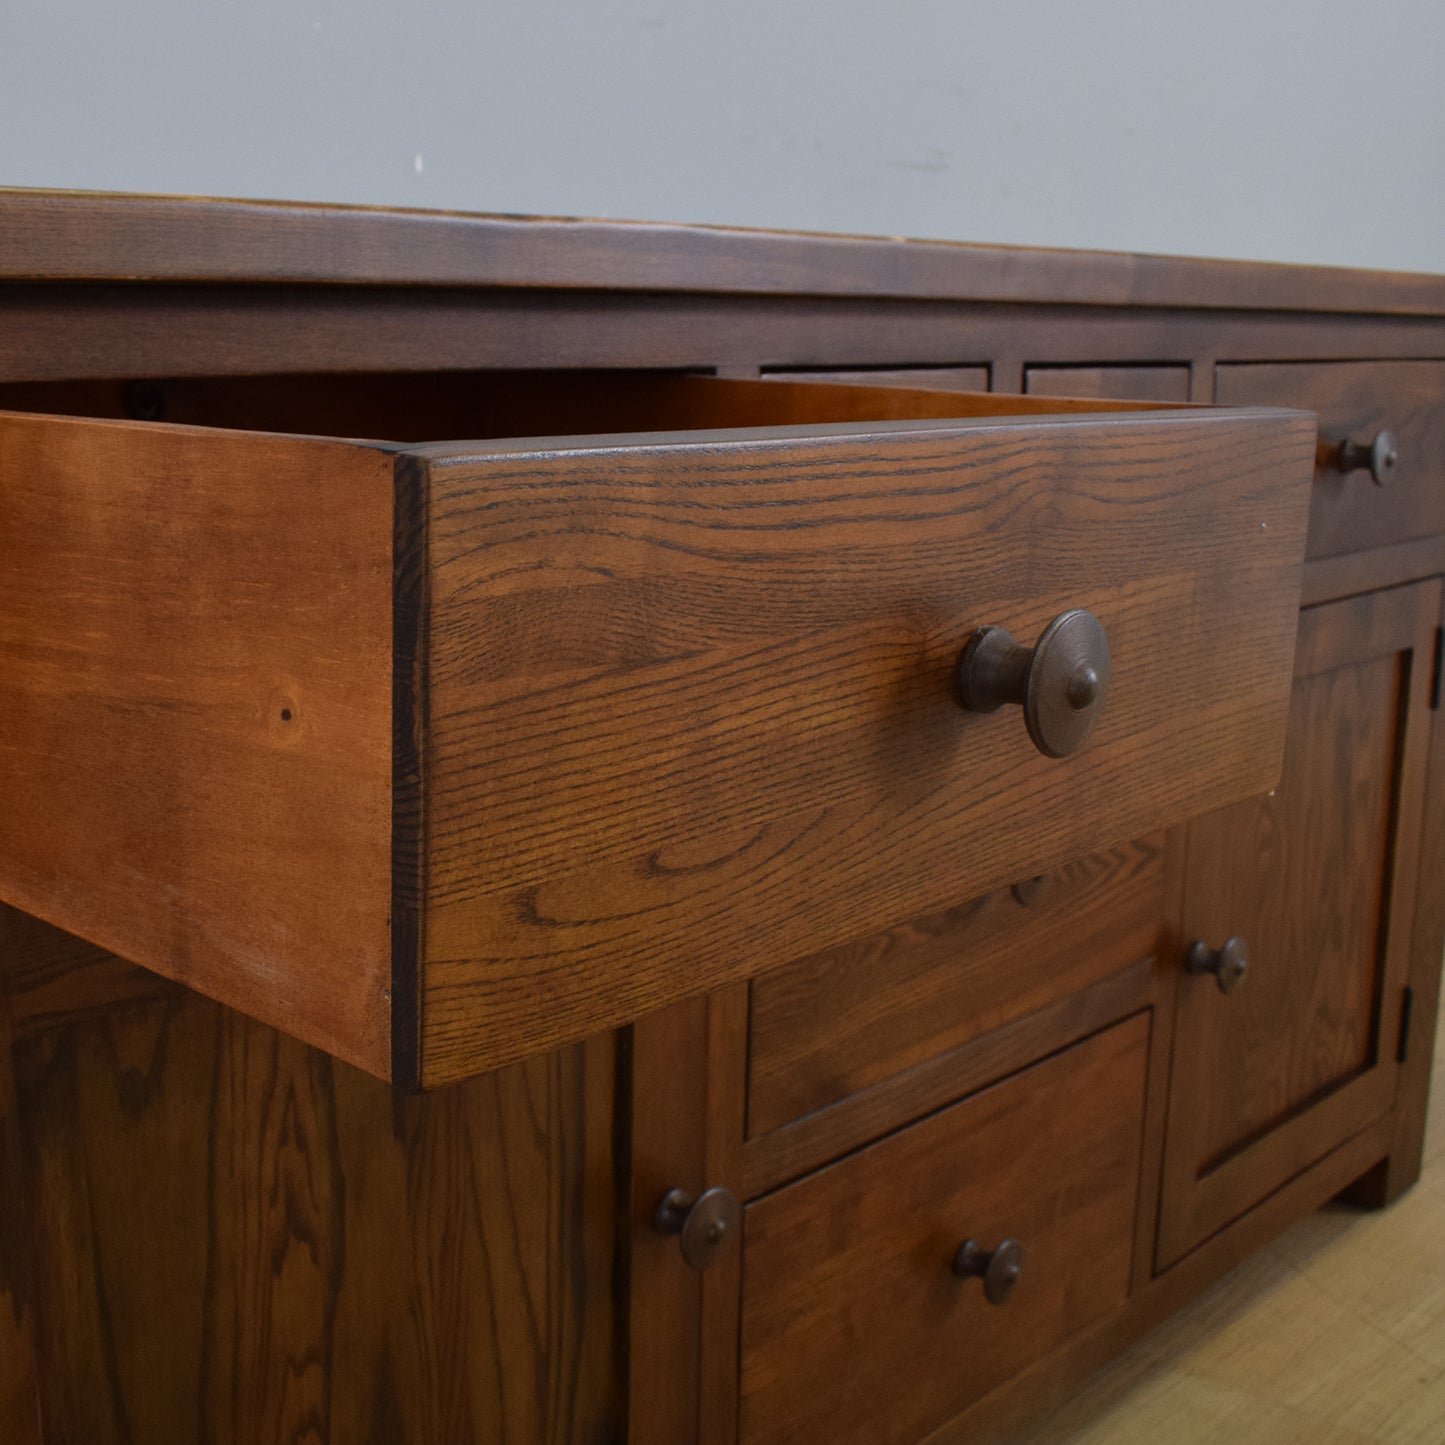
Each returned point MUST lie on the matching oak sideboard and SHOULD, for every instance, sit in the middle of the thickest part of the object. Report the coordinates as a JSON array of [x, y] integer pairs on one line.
[[659, 834]]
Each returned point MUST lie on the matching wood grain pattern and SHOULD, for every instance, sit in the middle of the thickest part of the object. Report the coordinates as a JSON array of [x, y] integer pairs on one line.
[[236, 1238], [854, 1326], [1354, 401], [843, 1021], [1142, 383], [827, 1134], [737, 662], [951, 378], [667, 1105], [51, 236], [55, 978], [1302, 1055], [1145, 383], [196, 704]]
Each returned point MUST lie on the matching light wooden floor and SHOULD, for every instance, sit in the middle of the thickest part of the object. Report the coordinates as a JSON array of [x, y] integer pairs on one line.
[[1334, 1335]]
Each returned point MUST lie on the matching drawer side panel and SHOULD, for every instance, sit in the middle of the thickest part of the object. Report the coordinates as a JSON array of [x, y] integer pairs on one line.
[[196, 711]]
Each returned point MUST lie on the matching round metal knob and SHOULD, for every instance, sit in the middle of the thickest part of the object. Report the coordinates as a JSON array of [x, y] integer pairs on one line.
[[1061, 683], [703, 1225], [1381, 456], [999, 1269], [1228, 964]]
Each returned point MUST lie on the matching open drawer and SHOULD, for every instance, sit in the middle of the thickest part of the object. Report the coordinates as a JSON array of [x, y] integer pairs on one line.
[[441, 753]]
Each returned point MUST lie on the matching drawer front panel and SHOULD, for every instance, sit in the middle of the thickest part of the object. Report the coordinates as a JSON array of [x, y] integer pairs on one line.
[[693, 709], [1356, 401], [952, 378], [848, 1019], [1138, 383], [854, 1325]]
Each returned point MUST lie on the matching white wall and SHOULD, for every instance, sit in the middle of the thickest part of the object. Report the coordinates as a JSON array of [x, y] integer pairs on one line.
[[1309, 130]]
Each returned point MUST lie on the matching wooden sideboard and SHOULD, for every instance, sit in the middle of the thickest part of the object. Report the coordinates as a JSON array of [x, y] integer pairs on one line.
[[519, 928]]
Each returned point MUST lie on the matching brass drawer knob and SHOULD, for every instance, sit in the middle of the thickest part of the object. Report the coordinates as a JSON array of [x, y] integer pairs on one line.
[[999, 1269], [1381, 456], [703, 1225], [1060, 683], [1228, 964]]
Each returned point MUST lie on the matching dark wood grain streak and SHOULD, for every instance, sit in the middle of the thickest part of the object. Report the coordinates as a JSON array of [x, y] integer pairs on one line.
[[72, 236], [409, 654], [276, 1230]]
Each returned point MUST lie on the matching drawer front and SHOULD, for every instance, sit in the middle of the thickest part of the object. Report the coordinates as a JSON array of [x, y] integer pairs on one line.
[[693, 710], [951, 378], [854, 1324], [1137, 383], [848, 1019], [1356, 401]]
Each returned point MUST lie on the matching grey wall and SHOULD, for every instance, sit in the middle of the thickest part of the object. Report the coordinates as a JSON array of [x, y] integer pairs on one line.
[[1307, 130]]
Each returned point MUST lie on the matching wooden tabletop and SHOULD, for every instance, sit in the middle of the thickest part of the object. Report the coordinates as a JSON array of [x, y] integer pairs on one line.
[[50, 236]]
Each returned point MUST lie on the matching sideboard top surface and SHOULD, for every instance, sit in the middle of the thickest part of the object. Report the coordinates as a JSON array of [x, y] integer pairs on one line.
[[69, 236]]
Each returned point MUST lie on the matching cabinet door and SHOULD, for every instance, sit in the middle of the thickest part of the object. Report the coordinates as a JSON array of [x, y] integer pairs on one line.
[[1317, 878]]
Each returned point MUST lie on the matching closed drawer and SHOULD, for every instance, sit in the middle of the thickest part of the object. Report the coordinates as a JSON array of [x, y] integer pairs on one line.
[[1141, 383], [854, 1016], [854, 1325], [1356, 401], [439, 755], [951, 378]]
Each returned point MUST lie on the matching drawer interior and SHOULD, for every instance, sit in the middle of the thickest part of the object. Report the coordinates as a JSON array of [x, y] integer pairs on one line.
[[418, 407]]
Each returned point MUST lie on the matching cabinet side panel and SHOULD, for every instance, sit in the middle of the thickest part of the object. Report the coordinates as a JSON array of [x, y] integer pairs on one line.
[[238, 1239], [196, 711], [19, 1402]]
